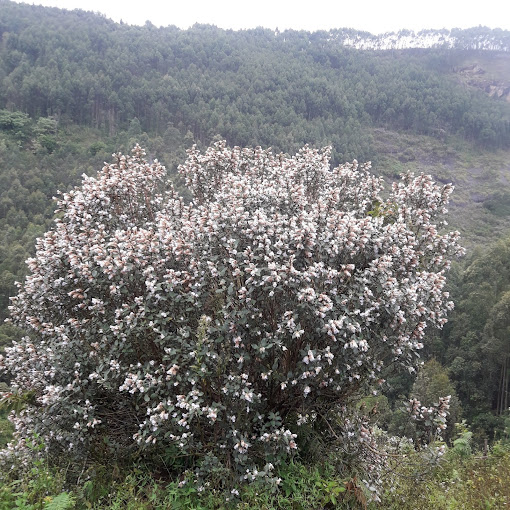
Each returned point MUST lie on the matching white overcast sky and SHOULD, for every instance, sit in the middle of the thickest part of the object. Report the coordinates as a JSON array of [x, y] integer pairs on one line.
[[376, 16]]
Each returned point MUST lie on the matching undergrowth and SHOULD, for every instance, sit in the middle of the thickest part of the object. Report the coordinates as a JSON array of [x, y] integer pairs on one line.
[[464, 480], [469, 481]]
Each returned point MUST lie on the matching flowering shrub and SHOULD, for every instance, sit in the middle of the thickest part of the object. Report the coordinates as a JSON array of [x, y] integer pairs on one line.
[[429, 421], [216, 328]]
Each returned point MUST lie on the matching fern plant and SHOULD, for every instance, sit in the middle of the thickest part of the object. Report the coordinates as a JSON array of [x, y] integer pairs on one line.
[[63, 501]]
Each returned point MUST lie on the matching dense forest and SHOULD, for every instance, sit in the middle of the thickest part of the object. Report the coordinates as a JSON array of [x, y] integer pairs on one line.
[[76, 87], [248, 86]]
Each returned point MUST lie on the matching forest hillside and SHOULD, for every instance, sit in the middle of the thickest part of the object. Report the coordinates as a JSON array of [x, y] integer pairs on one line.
[[76, 87]]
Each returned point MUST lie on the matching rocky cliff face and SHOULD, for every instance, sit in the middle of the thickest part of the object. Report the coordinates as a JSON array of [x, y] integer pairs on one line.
[[498, 90], [476, 76]]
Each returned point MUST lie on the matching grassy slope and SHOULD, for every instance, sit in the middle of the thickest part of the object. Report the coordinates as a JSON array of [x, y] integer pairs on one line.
[[481, 179], [480, 206]]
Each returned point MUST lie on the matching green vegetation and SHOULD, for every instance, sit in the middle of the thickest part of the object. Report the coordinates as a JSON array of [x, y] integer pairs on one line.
[[76, 87], [475, 342], [250, 87], [464, 479]]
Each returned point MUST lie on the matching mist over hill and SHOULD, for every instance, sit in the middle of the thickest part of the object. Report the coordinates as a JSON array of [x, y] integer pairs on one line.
[[476, 38]]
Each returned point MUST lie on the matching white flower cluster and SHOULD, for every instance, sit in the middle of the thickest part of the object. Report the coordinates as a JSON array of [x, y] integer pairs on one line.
[[430, 420], [279, 292]]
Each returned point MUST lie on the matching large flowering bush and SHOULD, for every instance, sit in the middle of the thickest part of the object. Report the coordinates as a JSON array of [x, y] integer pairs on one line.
[[216, 329]]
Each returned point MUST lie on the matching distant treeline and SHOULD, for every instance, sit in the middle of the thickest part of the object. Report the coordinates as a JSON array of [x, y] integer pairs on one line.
[[476, 38]]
